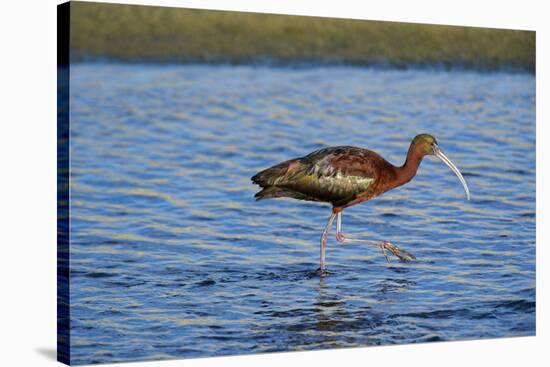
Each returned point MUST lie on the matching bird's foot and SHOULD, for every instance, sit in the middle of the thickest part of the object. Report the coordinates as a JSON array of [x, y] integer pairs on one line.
[[322, 272], [403, 255]]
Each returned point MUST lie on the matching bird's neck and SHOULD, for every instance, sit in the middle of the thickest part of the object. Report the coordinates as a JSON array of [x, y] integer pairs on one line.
[[408, 170]]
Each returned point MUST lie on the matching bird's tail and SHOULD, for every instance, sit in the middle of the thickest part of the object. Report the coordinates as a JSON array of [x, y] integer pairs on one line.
[[272, 192], [271, 180], [269, 193], [277, 174]]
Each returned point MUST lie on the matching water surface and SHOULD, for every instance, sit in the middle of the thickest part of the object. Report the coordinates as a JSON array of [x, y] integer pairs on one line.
[[171, 257]]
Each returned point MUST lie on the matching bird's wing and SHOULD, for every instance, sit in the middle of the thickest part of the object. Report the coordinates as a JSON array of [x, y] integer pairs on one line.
[[340, 173], [344, 161], [334, 175]]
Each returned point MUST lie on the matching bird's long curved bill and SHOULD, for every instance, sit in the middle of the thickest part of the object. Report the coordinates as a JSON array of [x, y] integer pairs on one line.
[[439, 154]]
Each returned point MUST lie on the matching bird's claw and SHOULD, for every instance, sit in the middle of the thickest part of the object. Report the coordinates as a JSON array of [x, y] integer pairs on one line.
[[403, 255]]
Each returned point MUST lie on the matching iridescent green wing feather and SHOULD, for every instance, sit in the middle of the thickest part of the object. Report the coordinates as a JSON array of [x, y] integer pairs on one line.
[[335, 175]]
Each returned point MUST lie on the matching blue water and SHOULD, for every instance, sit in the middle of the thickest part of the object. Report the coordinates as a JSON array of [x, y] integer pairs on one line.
[[171, 257]]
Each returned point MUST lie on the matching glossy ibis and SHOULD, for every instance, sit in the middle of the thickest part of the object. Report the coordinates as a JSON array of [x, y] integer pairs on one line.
[[344, 176]]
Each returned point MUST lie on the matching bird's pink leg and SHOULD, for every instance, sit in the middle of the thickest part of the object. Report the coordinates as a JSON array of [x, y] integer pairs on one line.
[[324, 242], [383, 245]]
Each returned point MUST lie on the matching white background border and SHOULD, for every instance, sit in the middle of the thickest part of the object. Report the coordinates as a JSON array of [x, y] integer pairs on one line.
[[28, 182]]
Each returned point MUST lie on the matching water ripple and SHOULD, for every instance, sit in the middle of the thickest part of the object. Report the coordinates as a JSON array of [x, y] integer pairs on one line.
[[171, 257]]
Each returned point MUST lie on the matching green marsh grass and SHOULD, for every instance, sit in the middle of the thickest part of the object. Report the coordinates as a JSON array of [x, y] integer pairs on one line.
[[132, 33]]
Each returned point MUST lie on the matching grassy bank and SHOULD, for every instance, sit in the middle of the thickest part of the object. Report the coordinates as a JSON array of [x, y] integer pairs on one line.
[[158, 34]]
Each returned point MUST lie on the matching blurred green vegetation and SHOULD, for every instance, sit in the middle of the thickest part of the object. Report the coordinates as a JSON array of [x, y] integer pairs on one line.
[[159, 34]]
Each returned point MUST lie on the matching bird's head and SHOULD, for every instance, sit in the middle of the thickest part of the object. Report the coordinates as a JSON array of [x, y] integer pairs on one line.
[[423, 144], [426, 144]]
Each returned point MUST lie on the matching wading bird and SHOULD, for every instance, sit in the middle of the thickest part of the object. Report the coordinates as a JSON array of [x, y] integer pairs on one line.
[[344, 176]]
